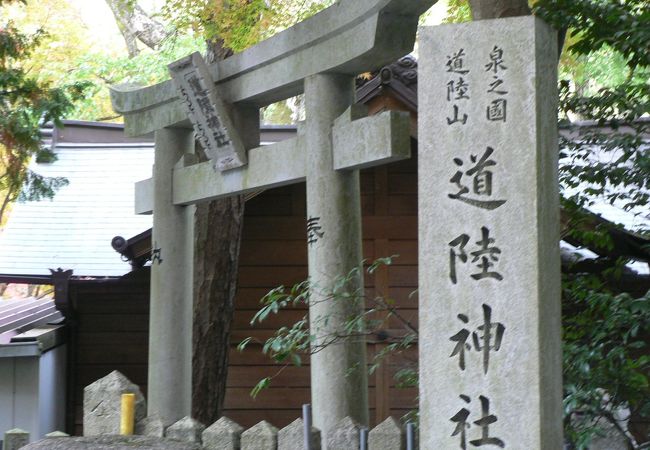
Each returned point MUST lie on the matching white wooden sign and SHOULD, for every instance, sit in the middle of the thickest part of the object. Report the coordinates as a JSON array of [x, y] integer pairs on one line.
[[207, 112]]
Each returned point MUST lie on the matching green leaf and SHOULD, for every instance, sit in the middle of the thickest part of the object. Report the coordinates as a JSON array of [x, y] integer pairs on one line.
[[242, 345], [260, 386]]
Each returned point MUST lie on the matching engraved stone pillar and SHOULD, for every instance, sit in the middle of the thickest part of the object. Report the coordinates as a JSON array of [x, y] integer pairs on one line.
[[338, 373], [489, 265], [170, 323]]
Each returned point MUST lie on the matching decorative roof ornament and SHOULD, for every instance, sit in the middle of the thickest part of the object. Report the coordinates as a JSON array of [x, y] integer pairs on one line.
[[399, 77], [405, 70]]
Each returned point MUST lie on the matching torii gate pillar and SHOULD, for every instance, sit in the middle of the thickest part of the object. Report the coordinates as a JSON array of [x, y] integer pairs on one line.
[[333, 202], [170, 316]]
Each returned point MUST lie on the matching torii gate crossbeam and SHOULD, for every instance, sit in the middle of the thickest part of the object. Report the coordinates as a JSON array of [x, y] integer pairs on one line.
[[320, 57]]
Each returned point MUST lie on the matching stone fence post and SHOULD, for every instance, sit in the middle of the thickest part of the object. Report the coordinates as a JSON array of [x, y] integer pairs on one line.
[[186, 429], [224, 434], [102, 404], [292, 437], [262, 436], [388, 435], [150, 426], [15, 439], [344, 435], [56, 434]]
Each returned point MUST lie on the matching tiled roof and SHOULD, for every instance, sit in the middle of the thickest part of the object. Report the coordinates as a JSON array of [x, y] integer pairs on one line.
[[19, 319], [75, 228]]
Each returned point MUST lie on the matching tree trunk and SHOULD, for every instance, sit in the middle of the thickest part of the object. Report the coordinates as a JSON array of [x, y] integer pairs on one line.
[[135, 23], [130, 40], [496, 9], [218, 227]]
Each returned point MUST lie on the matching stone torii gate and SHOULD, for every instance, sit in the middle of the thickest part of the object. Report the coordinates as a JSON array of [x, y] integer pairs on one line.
[[320, 57]]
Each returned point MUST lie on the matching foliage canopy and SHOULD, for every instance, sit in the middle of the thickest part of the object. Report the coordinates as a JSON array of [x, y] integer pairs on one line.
[[239, 23], [25, 104]]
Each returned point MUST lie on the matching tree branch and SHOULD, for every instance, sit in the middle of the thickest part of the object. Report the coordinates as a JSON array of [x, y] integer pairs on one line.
[[134, 23]]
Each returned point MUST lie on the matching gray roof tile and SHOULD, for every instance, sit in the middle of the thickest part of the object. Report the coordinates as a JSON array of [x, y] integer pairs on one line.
[[74, 229]]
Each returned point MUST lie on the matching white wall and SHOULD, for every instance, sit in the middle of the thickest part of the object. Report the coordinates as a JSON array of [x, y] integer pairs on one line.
[[52, 384], [32, 393], [19, 393], [7, 377]]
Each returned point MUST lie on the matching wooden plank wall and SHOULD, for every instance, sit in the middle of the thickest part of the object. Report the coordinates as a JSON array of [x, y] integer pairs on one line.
[[112, 317], [274, 252], [110, 331]]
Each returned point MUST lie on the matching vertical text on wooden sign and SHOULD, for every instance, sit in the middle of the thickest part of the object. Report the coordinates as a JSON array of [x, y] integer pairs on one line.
[[207, 112]]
